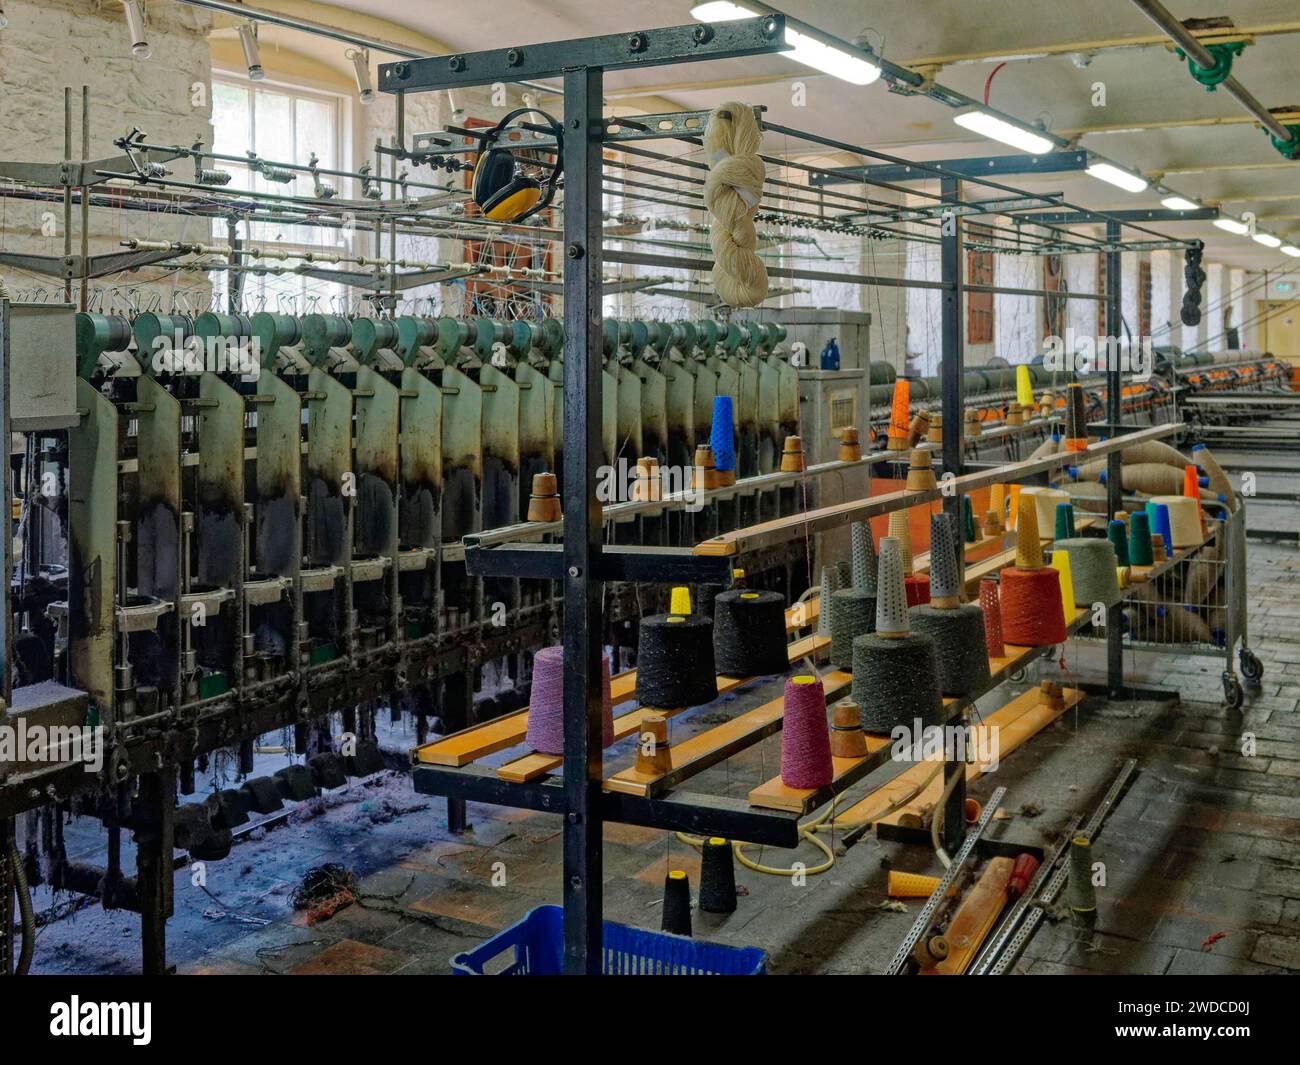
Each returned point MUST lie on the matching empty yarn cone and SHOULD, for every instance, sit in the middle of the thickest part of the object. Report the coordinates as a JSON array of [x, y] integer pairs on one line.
[[863, 554], [998, 502], [891, 595], [850, 445], [792, 455], [991, 607], [717, 876], [935, 433], [901, 530], [1029, 548], [972, 421], [677, 903], [703, 473], [805, 737], [847, 738], [646, 485], [1015, 414], [545, 730], [543, 503], [1024, 387], [918, 429], [1013, 510], [1061, 563], [1159, 553], [898, 422], [945, 584], [920, 475], [681, 601]]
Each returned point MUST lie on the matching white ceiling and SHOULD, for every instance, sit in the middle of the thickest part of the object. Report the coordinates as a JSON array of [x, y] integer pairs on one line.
[[1143, 85]]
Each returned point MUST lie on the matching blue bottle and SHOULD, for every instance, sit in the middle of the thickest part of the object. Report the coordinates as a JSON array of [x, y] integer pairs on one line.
[[830, 357]]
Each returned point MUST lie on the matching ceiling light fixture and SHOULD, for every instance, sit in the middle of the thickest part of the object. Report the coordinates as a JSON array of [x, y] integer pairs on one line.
[[1179, 203], [1268, 240], [998, 129], [361, 66], [1231, 225], [1291, 250], [135, 23], [805, 48], [252, 54], [1114, 175]]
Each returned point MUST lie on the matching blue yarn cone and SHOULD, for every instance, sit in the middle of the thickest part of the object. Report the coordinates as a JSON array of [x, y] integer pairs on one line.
[[1159, 517], [722, 437]]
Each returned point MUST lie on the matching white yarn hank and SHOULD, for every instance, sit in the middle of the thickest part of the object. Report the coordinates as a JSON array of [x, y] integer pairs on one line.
[[732, 192]]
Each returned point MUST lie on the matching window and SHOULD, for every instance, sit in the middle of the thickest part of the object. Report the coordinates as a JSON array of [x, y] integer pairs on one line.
[[281, 125]]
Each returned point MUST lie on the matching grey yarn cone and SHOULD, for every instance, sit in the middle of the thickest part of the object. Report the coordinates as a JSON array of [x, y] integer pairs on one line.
[[944, 582]]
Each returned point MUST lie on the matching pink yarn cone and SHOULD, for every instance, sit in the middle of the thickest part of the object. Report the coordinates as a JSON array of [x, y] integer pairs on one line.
[[805, 736], [992, 607], [546, 707]]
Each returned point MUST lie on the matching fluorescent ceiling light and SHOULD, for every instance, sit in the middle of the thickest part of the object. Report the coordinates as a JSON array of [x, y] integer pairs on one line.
[[804, 48], [997, 129], [1124, 179], [1292, 251], [1178, 203], [720, 11], [1231, 225], [1268, 240]]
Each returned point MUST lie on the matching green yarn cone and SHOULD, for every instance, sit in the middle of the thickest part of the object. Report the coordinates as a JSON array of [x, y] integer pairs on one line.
[[1118, 537], [1064, 521], [1139, 539], [968, 519]]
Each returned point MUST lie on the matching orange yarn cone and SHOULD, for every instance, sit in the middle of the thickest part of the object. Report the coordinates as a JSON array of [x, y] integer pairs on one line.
[[898, 421]]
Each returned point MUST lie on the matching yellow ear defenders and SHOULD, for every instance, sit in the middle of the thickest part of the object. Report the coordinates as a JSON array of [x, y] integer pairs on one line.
[[503, 192]]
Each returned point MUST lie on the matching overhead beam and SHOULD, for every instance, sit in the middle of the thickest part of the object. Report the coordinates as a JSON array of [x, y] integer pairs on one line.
[[1139, 214], [988, 166]]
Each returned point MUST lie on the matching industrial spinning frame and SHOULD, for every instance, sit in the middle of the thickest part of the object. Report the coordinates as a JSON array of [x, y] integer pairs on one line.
[[340, 518]]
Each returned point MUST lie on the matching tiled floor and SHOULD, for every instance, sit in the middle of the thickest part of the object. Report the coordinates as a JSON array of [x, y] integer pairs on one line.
[[1202, 856]]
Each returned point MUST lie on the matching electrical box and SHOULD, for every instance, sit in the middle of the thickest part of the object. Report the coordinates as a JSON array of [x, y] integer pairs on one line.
[[40, 350]]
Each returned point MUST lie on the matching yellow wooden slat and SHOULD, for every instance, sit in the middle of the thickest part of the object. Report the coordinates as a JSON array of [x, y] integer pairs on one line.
[[974, 918]]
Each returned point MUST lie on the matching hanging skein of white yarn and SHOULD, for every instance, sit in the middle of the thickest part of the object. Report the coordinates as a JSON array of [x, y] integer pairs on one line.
[[732, 191]]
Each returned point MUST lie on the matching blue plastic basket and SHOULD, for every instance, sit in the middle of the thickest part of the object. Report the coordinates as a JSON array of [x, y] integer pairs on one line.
[[537, 942]]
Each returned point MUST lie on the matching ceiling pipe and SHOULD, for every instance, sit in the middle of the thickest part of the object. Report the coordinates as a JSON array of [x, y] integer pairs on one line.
[[318, 29], [1181, 36]]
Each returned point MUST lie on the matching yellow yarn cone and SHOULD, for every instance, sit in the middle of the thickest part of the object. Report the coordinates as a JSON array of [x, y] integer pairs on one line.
[[1061, 563], [1024, 387], [914, 885], [1029, 548], [998, 501], [681, 601], [1013, 515]]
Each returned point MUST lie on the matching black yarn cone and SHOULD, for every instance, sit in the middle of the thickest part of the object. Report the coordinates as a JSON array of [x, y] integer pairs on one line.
[[749, 634], [677, 903], [717, 877], [674, 662]]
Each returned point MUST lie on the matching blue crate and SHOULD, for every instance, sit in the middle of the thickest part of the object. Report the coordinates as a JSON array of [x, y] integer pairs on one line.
[[538, 945]]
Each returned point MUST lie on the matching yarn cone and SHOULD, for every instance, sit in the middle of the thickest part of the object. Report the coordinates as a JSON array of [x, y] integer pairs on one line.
[[891, 597], [545, 731], [722, 437], [1065, 527], [968, 520], [898, 423], [681, 601], [1192, 490], [677, 903], [717, 876], [1029, 548], [916, 585], [1139, 539], [945, 585], [998, 503], [1061, 563], [1116, 533], [1024, 387], [1031, 600], [805, 736]]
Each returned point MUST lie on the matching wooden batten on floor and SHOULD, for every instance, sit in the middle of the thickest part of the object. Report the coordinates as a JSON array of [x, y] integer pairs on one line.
[[974, 918]]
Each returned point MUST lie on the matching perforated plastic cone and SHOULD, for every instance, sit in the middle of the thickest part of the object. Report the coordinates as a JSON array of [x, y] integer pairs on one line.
[[901, 531], [1061, 563], [863, 550], [681, 601], [891, 596], [1029, 548], [944, 582], [913, 885]]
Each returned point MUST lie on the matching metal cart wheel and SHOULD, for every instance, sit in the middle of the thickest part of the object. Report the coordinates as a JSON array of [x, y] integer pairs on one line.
[[1233, 693], [1251, 667]]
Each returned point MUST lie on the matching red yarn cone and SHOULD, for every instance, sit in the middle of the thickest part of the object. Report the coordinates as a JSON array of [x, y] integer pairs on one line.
[[546, 707], [805, 736]]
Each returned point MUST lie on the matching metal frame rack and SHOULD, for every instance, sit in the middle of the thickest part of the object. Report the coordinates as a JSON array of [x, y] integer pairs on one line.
[[581, 563]]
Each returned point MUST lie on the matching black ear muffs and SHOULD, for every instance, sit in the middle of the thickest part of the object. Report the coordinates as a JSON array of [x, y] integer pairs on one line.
[[503, 193]]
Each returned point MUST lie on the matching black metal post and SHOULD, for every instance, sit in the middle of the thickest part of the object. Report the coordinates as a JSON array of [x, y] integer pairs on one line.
[[153, 861], [1115, 460], [950, 379], [583, 823]]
